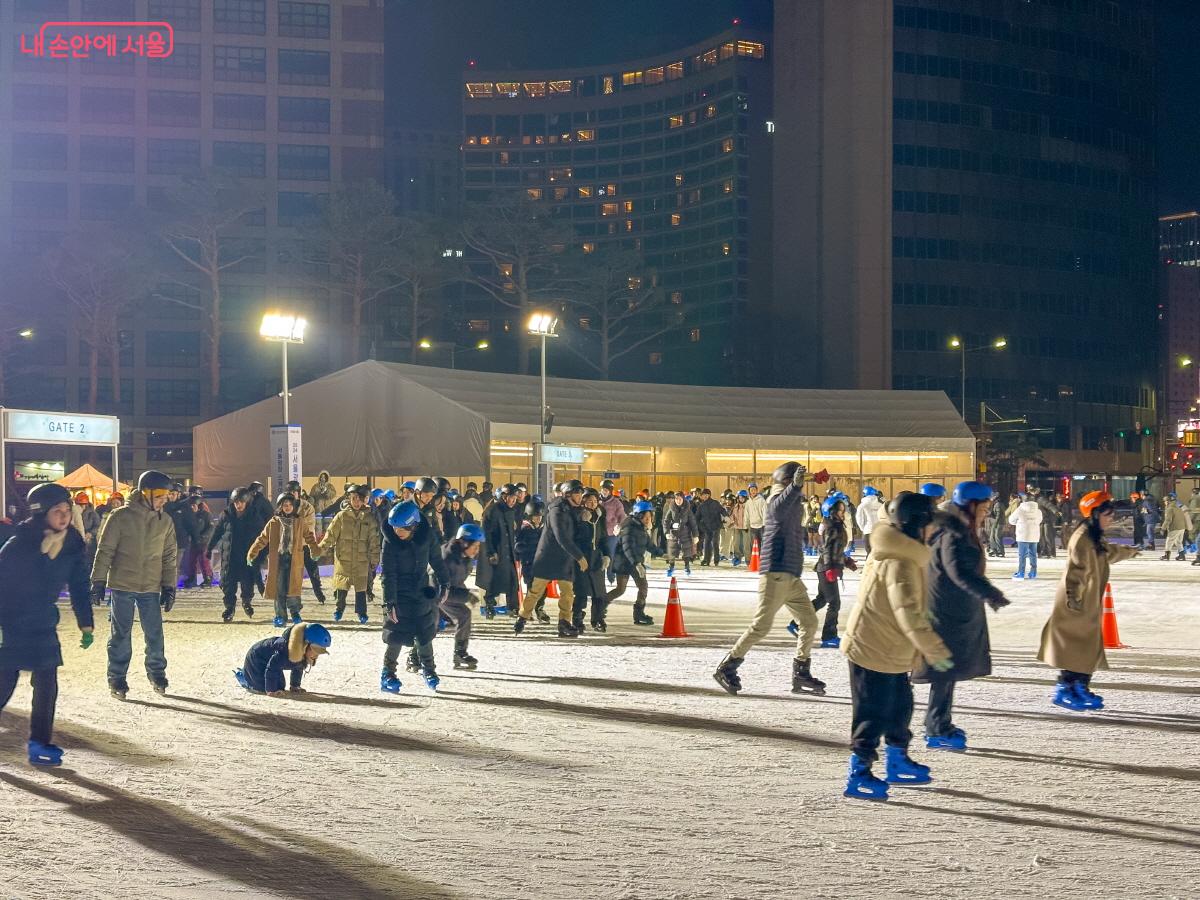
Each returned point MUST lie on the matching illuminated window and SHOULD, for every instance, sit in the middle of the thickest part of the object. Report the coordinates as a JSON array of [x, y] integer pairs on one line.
[[727, 145], [629, 224], [560, 87], [628, 206], [589, 247], [677, 297], [635, 282], [504, 157], [611, 189], [770, 127], [508, 88], [607, 84], [656, 359], [710, 111], [694, 335], [560, 193], [655, 75], [709, 58], [676, 121], [506, 269], [676, 219], [752, 49], [608, 209], [585, 134], [726, 249], [472, 140], [585, 190], [534, 193], [535, 88], [563, 174], [631, 78], [675, 71], [727, 50], [678, 179], [479, 89], [727, 186], [485, 140]]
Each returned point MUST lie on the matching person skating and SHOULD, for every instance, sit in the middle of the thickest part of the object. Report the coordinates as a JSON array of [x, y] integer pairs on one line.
[[739, 546], [261, 511], [307, 512], [1027, 519], [866, 517], [589, 584], [958, 591], [455, 604], [295, 652], [557, 556], [614, 515], [527, 538], [187, 531], [323, 492], [756, 512], [233, 536], [709, 518], [833, 560], [1073, 638], [198, 560], [888, 628], [137, 559], [496, 573], [354, 539], [284, 539], [410, 550], [1176, 523], [679, 526], [44, 554], [780, 584], [633, 543]]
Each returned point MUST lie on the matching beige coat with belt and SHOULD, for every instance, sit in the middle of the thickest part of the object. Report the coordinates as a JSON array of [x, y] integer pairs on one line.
[[302, 534], [1072, 639], [889, 627]]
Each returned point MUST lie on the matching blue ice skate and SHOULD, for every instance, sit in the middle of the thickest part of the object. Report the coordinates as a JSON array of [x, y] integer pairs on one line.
[[388, 682], [442, 623], [903, 770], [670, 571], [44, 754], [240, 675], [279, 621], [1092, 701], [956, 740], [432, 681], [831, 643], [362, 620], [793, 628], [296, 620], [861, 784], [337, 615]]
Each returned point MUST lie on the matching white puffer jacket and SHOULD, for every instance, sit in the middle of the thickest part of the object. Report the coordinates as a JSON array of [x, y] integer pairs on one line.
[[867, 515], [1028, 519]]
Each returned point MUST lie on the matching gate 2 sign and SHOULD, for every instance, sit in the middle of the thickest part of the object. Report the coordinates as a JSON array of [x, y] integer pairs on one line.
[[60, 428]]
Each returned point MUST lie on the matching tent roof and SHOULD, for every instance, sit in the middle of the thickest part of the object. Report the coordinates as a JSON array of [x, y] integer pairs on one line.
[[379, 418], [87, 476]]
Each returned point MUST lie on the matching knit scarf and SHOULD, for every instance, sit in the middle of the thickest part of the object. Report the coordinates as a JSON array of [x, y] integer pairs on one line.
[[52, 542]]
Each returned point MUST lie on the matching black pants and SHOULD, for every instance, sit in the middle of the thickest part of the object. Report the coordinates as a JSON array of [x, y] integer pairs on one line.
[[243, 581], [828, 594], [939, 714], [45, 698], [313, 568], [504, 581], [360, 601], [881, 706], [423, 651], [710, 546], [755, 535], [1068, 677]]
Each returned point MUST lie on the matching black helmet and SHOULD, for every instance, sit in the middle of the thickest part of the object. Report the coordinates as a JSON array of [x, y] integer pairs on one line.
[[239, 494], [153, 480], [443, 485], [911, 512], [535, 508], [293, 487], [591, 492], [285, 496], [178, 487], [608, 483], [787, 473], [573, 486], [508, 490], [195, 491], [361, 489], [426, 486], [255, 487], [45, 497]]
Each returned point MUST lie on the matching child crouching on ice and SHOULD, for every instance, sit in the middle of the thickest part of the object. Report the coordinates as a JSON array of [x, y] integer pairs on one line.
[[456, 598], [294, 651], [889, 629]]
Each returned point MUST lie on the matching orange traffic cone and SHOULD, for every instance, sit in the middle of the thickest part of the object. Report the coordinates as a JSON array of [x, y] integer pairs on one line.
[[1108, 624], [754, 558], [552, 591], [520, 584], [673, 620]]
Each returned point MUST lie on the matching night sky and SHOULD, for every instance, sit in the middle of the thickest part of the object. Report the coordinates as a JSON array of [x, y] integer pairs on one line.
[[431, 40]]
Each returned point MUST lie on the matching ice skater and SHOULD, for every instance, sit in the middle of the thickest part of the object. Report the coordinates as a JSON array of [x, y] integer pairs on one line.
[[633, 543], [410, 550], [353, 537], [889, 628], [455, 604], [284, 538], [1073, 638], [234, 534], [44, 554], [834, 558], [295, 652]]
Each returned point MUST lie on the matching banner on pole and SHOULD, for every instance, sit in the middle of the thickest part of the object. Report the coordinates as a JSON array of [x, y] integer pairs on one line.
[[287, 462]]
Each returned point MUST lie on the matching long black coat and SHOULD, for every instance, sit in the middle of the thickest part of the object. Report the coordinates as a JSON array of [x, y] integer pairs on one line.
[[233, 535], [410, 599], [590, 538], [632, 544], [557, 552], [958, 591], [709, 514], [499, 539], [29, 585]]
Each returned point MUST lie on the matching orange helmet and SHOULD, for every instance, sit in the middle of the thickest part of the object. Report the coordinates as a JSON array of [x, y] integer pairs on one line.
[[1135, 496], [120, 498], [82, 499], [1091, 502]]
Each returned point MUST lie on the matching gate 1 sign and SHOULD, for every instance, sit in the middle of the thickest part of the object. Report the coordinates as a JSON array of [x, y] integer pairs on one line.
[[60, 428], [286, 460]]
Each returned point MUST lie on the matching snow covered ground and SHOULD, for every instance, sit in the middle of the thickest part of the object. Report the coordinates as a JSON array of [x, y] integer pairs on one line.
[[609, 767]]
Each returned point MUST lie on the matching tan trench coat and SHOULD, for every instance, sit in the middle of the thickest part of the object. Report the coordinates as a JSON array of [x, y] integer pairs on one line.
[[1072, 639], [302, 534]]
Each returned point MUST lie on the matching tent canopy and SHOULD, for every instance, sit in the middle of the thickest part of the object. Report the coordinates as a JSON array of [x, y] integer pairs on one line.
[[87, 477], [385, 419]]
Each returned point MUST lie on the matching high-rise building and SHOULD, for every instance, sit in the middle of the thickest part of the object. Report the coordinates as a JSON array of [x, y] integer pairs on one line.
[[669, 155], [1179, 322], [287, 95]]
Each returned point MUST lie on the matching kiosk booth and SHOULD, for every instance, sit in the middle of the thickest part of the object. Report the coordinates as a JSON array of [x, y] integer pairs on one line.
[[28, 426]]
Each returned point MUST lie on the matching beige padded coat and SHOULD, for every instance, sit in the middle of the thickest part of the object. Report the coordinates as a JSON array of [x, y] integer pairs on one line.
[[354, 538]]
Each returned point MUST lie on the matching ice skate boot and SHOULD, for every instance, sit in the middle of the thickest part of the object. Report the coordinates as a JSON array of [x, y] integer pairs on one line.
[[296, 620], [227, 617], [388, 682], [577, 623], [240, 676], [442, 623], [519, 625], [44, 754], [413, 662], [901, 769], [670, 570], [793, 629], [1166, 555], [726, 674], [540, 612], [566, 629], [639, 615], [337, 615], [278, 621], [431, 679], [1091, 701], [831, 643], [248, 608], [861, 784], [955, 740], [1068, 697], [489, 609], [687, 568], [803, 681], [207, 582], [118, 687], [1179, 557], [362, 620], [599, 625], [463, 659], [160, 684]]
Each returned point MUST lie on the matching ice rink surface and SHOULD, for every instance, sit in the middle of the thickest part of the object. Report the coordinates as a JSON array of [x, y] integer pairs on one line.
[[609, 767]]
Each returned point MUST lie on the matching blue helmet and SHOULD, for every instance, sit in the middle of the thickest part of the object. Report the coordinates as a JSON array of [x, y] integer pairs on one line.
[[642, 506], [404, 515], [745, 494], [318, 634], [971, 491], [390, 494], [830, 502], [869, 491], [933, 489], [752, 485], [470, 532], [409, 485], [452, 494], [376, 493]]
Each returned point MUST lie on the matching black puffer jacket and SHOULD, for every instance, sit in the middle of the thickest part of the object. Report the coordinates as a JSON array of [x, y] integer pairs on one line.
[[783, 531], [557, 552], [589, 535], [958, 591], [632, 545], [407, 593], [709, 514], [234, 534]]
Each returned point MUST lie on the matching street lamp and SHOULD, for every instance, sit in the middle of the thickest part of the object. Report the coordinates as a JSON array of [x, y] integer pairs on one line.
[[543, 325], [959, 345], [427, 344], [284, 328]]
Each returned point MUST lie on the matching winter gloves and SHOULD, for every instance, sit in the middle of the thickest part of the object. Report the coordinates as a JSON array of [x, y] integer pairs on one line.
[[942, 665], [98, 588], [167, 598], [86, 639]]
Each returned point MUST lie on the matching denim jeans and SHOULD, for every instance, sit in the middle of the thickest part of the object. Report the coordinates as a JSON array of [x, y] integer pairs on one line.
[[120, 641], [1027, 550]]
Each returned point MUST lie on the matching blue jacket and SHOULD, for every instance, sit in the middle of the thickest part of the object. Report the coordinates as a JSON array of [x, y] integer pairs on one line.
[[267, 660], [784, 531], [29, 586]]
